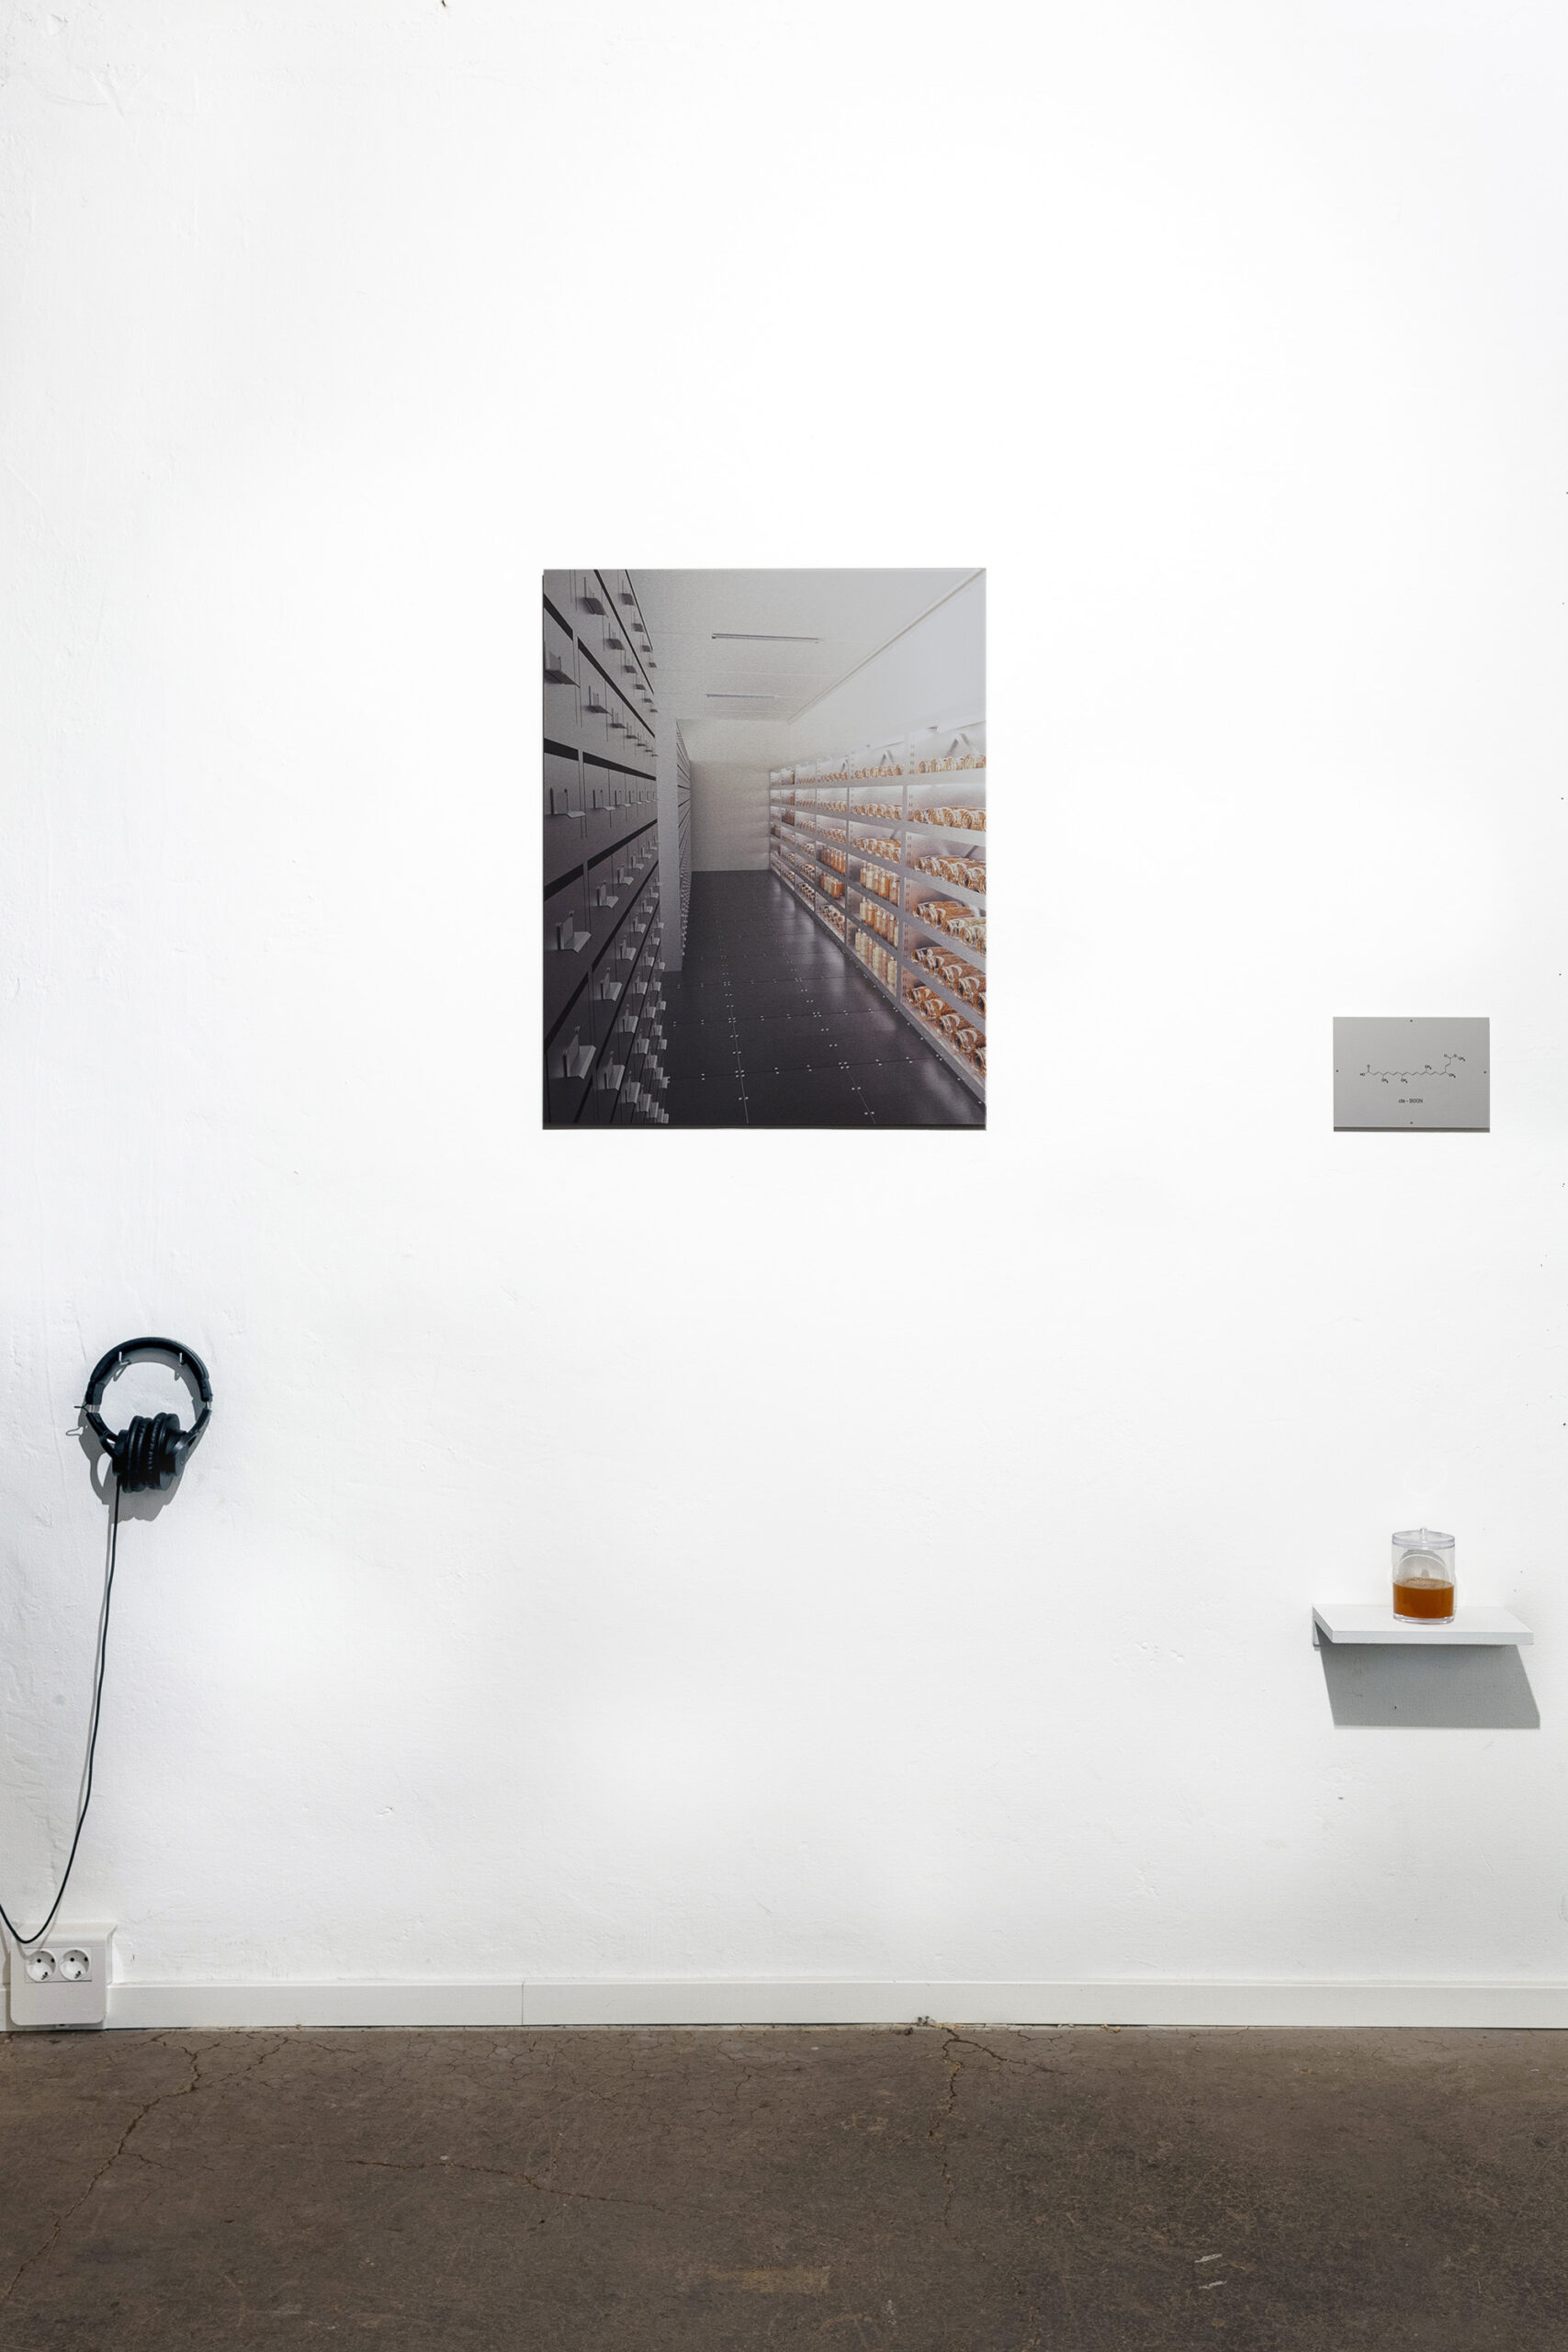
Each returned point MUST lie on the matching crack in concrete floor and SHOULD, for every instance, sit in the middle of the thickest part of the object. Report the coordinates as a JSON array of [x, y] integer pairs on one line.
[[162, 2099]]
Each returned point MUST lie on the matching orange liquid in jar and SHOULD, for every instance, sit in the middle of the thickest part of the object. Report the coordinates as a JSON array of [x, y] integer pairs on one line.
[[1422, 1597]]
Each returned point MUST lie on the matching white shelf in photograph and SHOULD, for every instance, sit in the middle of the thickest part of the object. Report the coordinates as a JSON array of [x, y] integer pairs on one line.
[[1356, 1620], [933, 886]]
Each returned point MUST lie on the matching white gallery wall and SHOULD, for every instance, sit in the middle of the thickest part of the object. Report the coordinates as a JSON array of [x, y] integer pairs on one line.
[[976, 1653]]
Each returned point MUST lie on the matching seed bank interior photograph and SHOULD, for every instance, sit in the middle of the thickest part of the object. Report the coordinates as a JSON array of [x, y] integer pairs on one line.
[[766, 849]]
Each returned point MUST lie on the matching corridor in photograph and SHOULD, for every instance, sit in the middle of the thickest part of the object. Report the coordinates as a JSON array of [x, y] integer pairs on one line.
[[765, 837]]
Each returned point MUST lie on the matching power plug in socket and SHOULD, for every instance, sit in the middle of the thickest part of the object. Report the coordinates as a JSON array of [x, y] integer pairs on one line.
[[64, 1980]]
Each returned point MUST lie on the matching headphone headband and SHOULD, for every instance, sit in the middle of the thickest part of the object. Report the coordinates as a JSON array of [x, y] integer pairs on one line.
[[148, 1453]]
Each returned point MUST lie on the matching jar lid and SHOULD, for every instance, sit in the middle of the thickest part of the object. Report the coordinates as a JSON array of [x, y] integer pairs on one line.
[[1424, 1538]]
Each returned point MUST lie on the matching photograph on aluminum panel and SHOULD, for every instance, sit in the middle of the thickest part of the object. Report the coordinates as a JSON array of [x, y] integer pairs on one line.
[[765, 847]]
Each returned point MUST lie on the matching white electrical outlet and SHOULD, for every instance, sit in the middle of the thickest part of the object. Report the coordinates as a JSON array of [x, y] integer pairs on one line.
[[64, 1980]]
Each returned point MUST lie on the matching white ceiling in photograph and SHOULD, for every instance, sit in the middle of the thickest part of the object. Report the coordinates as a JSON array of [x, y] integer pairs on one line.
[[765, 645]]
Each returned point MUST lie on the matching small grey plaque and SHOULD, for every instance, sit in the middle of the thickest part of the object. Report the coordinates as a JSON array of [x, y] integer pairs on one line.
[[1399, 1072]]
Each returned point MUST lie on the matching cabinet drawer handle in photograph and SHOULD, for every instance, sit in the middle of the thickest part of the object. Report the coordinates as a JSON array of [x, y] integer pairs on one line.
[[576, 1057]]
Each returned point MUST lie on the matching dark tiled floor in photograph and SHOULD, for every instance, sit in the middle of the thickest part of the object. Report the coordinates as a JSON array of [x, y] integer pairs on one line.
[[770, 1025]]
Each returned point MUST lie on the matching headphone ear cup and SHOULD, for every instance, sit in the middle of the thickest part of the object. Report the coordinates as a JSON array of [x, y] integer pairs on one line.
[[166, 1448], [148, 1453]]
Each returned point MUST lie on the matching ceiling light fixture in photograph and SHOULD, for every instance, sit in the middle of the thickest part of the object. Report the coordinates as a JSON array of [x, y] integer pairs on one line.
[[759, 637]]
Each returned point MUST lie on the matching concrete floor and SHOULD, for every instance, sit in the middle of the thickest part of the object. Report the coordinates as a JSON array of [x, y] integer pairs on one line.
[[1078, 2191]]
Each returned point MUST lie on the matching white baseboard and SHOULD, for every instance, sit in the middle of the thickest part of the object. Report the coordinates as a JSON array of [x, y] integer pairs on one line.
[[676, 2001], [1164, 2002], [205, 2008]]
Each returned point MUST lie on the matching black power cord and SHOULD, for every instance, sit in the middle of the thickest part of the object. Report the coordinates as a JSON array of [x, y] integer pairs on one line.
[[39, 1933]]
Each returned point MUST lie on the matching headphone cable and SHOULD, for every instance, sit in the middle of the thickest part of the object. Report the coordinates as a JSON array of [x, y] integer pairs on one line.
[[39, 1933]]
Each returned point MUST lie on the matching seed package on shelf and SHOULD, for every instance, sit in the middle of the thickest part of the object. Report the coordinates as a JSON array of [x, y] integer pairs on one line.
[[952, 970], [879, 919], [888, 810], [890, 849], [877, 959], [943, 750], [962, 821], [970, 871], [962, 922]]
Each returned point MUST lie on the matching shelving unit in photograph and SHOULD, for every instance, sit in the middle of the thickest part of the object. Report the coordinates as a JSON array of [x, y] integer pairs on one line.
[[957, 1037], [684, 829], [902, 827]]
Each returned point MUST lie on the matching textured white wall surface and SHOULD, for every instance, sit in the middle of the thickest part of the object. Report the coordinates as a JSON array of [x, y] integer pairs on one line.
[[1230, 340]]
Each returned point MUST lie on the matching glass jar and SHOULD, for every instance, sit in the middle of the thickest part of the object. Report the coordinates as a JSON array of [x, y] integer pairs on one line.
[[1423, 1574]]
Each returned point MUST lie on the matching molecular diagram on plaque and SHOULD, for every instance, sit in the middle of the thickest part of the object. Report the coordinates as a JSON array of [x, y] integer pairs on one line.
[[1453, 1065]]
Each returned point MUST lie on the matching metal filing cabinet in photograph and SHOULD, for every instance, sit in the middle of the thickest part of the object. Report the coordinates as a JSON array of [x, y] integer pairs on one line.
[[564, 837], [593, 707], [568, 1064], [607, 899], [561, 719], [601, 923], [568, 938], [597, 832]]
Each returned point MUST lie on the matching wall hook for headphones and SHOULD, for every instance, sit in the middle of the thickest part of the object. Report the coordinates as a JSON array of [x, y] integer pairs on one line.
[[151, 1452]]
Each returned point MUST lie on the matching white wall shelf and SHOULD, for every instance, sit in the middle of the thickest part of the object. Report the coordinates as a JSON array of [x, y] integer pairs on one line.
[[1356, 1620]]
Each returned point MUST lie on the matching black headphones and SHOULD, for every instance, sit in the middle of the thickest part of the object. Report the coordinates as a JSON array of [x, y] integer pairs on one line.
[[148, 1454]]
